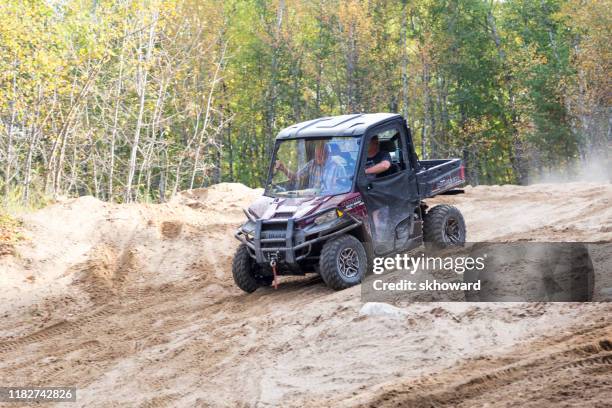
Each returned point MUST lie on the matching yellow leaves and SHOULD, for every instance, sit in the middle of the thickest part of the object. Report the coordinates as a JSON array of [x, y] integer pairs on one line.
[[477, 127], [355, 21], [9, 234], [592, 56], [169, 9], [518, 40]]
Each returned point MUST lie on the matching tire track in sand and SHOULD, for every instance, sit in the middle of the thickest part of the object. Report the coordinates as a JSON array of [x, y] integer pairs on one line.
[[452, 389]]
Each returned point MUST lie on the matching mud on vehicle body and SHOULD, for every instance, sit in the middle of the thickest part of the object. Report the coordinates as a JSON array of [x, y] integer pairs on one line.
[[321, 213]]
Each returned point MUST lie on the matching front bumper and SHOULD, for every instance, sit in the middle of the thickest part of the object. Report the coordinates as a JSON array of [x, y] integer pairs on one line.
[[277, 239]]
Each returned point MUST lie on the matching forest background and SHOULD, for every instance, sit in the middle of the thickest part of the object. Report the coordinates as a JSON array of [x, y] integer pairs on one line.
[[136, 100]]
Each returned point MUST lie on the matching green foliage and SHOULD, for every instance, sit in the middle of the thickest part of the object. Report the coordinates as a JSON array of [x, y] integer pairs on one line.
[[197, 90], [10, 233], [12, 203]]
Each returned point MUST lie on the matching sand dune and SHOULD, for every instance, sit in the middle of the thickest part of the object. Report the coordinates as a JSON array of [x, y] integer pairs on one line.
[[135, 306]]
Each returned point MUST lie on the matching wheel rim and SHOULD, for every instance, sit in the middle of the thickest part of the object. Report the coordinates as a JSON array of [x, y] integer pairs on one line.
[[348, 263], [452, 231]]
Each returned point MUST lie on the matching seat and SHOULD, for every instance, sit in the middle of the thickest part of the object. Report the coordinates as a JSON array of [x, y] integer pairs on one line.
[[389, 146], [345, 156]]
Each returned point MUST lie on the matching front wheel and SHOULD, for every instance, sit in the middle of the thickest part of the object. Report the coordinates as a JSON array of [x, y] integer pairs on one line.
[[246, 272], [444, 226], [343, 262]]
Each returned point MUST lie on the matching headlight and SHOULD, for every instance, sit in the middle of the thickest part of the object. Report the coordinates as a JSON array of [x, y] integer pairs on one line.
[[248, 228], [326, 217]]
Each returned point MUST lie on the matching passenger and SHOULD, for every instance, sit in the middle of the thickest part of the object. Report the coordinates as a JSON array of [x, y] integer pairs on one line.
[[321, 172]]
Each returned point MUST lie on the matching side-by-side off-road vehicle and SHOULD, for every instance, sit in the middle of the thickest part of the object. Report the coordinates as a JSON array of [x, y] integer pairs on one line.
[[322, 213]]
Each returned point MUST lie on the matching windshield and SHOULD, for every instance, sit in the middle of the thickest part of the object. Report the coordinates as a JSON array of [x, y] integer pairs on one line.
[[313, 167]]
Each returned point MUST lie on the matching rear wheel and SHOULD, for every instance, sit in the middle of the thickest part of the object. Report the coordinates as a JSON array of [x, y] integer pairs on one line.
[[444, 226], [246, 272], [343, 262]]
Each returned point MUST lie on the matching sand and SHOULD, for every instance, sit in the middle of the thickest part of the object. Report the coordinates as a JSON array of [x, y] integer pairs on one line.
[[135, 306]]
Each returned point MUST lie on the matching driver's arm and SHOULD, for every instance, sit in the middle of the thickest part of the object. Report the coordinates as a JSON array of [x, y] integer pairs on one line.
[[379, 167], [280, 166], [291, 175]]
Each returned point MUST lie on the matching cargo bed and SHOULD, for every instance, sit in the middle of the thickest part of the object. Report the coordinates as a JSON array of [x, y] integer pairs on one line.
[[439, 176]]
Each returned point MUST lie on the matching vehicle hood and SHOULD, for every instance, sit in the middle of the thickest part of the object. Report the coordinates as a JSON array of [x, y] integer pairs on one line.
[[267, 208]]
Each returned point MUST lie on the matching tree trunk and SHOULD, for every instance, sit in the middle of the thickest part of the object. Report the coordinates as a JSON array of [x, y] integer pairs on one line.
[[31, 147], [9, 143], [28, 166], [271, 94], [111, 170], [518, 154], [207, 115], [404, 48], [142, 91], [426, 109]]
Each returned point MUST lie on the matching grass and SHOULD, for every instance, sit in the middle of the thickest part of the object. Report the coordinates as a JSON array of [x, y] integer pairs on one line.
[[10, 233], [11, 205]]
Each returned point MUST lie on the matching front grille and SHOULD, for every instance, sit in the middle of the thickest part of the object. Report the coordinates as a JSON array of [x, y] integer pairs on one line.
[[273, 234], [283, 215], [276, 231]]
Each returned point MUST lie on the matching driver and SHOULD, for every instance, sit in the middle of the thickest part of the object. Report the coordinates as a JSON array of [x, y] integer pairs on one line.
[[320, 173], [378, 162]]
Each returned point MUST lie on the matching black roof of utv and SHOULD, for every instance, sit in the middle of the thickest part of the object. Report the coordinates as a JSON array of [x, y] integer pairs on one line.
[[343, 125]]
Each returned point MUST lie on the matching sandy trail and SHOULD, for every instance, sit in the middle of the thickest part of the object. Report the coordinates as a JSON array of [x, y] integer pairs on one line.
[[135, 306]]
